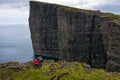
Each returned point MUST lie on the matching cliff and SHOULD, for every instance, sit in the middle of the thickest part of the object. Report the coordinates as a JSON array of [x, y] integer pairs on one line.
[[75, 35]]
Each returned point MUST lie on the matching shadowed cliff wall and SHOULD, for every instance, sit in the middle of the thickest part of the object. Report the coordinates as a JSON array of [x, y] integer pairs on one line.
[[44, 30], [75, 35]]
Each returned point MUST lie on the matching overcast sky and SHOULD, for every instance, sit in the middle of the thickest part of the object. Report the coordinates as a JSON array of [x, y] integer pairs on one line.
[[17, 11]]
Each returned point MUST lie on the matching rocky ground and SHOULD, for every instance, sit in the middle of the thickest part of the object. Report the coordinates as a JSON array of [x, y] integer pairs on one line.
[[50, 70], [16, 65]]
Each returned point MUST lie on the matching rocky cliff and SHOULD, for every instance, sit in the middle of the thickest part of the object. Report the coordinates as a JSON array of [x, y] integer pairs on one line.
[[76, 35]]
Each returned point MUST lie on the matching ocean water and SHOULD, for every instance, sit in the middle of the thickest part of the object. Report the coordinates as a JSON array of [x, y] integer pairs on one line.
[[15, 43]]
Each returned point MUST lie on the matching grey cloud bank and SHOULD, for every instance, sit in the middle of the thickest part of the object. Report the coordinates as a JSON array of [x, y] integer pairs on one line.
[[19, 9], [12, 1]]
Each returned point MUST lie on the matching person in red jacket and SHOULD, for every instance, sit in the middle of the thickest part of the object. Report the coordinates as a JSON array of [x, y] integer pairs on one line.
[[37, 62]]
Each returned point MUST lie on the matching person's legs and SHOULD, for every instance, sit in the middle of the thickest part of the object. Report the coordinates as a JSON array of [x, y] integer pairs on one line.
[[41, 61]]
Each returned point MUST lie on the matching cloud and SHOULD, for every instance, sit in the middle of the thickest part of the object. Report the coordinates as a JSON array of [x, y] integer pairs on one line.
[[13, 4], [14, 11], [12, 1], [85, 4], [13, 8], [19, 9], [102, 5]]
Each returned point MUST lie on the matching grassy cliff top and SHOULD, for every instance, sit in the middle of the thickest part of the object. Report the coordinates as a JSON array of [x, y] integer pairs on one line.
[[51, 70], [63, 7], [115, 18]]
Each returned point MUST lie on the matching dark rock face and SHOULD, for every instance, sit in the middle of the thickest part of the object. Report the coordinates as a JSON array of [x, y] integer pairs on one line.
[[75, 35], [44, 30]]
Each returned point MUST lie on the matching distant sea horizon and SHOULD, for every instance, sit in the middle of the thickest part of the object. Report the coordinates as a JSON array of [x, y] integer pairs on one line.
[[15, 43]]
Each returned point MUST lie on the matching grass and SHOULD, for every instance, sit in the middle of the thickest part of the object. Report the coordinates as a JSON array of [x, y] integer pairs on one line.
[[67, 8], [114, 17], [59, 71]]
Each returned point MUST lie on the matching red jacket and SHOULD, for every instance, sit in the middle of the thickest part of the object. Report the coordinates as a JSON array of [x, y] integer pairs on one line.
[[36, 62]]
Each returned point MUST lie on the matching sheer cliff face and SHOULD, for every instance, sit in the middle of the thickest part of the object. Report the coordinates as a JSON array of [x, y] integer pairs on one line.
[[75, 35]]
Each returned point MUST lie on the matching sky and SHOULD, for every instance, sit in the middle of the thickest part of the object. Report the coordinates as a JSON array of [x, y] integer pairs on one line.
[[17, 11]]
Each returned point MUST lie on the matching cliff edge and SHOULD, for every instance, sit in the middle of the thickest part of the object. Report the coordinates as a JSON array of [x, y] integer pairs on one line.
[[75, 35]]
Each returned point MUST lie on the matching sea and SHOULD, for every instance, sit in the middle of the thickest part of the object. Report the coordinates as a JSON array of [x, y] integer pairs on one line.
[[15, 43]]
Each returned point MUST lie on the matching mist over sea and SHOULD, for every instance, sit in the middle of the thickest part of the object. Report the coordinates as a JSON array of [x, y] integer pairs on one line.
[[15, 43]]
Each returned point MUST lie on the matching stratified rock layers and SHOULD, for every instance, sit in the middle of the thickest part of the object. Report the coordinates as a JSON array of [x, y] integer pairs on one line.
[[75, 35]]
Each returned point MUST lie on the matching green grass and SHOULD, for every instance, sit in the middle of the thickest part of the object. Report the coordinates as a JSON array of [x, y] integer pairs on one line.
[[59, 71], [114, 17], [67, 8]]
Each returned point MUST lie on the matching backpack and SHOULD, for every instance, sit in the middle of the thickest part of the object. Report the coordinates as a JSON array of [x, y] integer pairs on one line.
[[36, 62]]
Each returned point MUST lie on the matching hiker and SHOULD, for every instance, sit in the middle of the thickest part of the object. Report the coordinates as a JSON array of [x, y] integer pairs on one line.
[[37, 62]]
